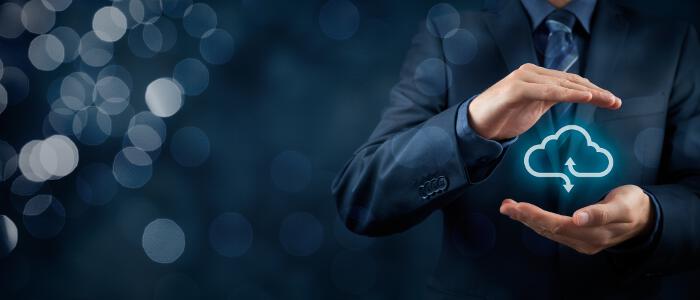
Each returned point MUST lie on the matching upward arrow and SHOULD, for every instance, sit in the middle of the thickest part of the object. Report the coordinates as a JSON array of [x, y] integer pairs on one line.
[[570, 163]]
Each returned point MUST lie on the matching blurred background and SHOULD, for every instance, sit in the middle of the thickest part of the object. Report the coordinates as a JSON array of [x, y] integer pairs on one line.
[[171, 149]]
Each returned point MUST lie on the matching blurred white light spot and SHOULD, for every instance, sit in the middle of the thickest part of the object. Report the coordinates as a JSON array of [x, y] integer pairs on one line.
[[92, 126], [95, 184], [8, 161], [10, 20], [46, 52], [70, 41], [461, 47], [8, 235], [230, 234], [432, 77], [190, 146], [150, 120], [16, 84], [132, 167], [109, 24], [36, 18], [163, 241], [192, 75], [50, 159], [44, 216], [301, 234], [145, 11], [291, 171], [647, 146], [164, 97], [216, 46], [339, 19], [198, 19], [93, 51], [57, 5], [144, 137], [76, 90], [442, 20], [112, 95]]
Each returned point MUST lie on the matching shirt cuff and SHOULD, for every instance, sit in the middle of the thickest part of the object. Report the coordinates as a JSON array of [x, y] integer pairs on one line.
[[645, 241], [478, 153]]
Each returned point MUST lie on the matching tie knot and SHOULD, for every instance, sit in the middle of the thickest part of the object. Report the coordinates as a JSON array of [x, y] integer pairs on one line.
[[560, 20]]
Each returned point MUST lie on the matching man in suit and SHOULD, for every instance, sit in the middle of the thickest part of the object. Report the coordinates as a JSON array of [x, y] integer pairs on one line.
[[454, 136]]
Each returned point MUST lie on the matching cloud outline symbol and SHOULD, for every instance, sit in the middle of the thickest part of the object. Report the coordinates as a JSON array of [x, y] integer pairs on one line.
[[570, 162]]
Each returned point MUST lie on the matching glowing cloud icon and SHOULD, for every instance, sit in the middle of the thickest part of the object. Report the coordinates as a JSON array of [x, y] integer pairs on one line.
[[569, 162]]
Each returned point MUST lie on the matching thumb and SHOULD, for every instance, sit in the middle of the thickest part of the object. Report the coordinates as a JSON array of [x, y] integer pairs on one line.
[[592, 215]]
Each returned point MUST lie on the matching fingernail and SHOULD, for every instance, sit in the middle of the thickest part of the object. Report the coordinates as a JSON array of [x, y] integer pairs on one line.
[[582, 218]]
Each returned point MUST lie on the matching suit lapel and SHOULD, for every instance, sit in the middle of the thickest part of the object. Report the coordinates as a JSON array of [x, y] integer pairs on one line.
[[511, 30], [608, 35]]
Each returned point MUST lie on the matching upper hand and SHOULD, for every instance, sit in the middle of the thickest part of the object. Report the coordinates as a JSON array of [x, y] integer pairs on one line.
[[514, 104], [623, 214]]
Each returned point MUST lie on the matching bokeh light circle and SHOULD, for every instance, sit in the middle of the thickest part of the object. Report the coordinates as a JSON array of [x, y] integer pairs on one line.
[[216, 46], [76, 90], [36, 18], [132, 167], [460, 48], [230, 234], [163, 241], [93, 51], [57, 5], [70, 41], [10, 20], [164, 97], [647, 148], [192, 75], [92, 126], [46, 52], [3, 99], [44, 216], [144, 137], [198, 19], [442, 20], [301, 234], [8, 161], [291, 171], [339, 19], [111, 95], [8, 235], [109, 24], [190, 146], [433, 77]]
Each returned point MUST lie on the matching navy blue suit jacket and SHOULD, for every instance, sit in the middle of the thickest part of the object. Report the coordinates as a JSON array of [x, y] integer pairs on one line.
[[412, 164]]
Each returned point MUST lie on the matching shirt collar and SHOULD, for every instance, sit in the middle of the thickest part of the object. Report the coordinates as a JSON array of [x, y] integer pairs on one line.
[[538, 10]]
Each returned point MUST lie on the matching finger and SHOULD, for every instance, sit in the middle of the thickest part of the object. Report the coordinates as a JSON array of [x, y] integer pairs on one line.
[[616, 103], [533, 77], [565, 75], [602, 214], [556, 93], [540, 218], [507, 207]]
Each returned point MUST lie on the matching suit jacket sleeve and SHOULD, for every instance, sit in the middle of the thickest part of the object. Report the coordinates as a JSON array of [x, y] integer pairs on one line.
[[414, 161], [677, 245]]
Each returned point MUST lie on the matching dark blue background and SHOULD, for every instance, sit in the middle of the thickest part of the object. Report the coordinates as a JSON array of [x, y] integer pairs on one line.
[[288, 87]]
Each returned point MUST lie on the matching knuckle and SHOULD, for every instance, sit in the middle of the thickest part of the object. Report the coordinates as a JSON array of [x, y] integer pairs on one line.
[[526, 66]]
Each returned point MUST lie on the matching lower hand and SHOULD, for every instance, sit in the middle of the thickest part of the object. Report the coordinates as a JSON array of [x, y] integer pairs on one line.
[[514, 104], [623, 214]]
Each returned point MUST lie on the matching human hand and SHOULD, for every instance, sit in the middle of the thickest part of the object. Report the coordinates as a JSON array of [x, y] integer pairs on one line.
[[624, 213], [514, 104]]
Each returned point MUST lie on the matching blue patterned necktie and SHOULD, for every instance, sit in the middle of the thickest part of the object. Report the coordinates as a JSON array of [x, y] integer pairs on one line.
[[561, 54]]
